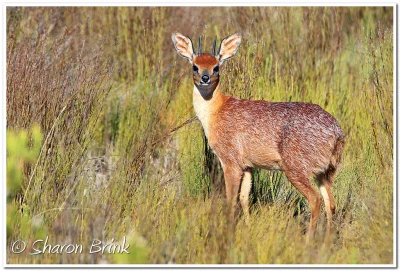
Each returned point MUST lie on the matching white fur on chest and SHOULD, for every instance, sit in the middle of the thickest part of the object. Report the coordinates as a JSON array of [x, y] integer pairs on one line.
[[203, 109]]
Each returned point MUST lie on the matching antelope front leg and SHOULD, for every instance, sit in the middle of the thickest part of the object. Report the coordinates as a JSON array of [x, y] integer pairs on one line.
[[244, 194], [232, 176]]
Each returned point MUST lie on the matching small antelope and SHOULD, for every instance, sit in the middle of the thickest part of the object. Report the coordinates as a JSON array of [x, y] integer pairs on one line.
[[299, 138]]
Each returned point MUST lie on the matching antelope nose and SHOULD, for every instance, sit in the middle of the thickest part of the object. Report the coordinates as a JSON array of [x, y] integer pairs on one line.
[[205, 78]]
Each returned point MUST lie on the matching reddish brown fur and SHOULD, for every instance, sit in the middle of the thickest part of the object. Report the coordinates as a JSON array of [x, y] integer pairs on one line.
[[206, 61], [301, 139], [274, 135]]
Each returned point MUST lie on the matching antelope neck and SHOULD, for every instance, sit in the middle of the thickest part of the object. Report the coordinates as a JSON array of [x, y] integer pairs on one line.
[[206, 106]]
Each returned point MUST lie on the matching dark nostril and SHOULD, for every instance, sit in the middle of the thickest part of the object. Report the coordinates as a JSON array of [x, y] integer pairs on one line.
[[205, 78]]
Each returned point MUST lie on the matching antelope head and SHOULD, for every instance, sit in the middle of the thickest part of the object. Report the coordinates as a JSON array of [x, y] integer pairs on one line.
[[206, 65]]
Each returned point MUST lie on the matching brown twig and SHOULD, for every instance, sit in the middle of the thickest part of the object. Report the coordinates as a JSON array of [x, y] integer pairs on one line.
[[189, 120]]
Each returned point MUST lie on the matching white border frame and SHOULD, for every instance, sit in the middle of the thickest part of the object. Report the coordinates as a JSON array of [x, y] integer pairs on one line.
[[195, 4]]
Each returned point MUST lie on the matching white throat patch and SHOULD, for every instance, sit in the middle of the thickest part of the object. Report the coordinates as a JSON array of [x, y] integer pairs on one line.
[[203, 109]]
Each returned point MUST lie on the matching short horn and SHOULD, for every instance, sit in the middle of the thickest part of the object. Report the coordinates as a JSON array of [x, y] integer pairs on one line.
[[214, 45], [200, 45], [194, 52]]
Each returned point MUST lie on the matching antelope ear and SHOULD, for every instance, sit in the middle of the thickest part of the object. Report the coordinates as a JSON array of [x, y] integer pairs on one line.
[[229, 47], [183, 45]]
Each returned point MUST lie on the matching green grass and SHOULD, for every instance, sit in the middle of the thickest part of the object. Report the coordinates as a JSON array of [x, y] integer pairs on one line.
[[108, 91]]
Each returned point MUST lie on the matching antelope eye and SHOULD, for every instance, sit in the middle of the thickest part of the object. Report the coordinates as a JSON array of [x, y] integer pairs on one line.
[[195, 69], [216, 69]]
